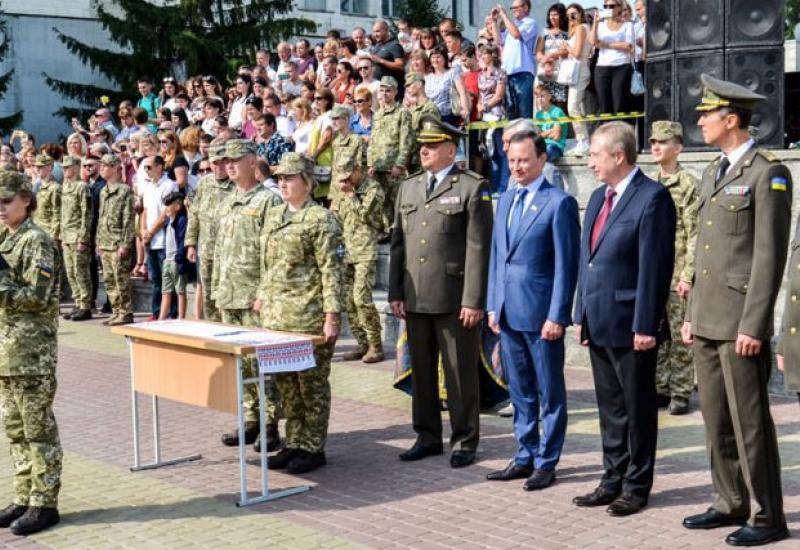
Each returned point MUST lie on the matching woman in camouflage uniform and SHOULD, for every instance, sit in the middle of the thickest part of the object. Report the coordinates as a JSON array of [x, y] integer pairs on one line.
[[301, 286], [28, 325]]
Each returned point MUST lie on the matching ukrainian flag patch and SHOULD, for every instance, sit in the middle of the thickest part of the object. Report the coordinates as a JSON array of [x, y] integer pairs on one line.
[[778, 184], [486, 196], [45, 271]]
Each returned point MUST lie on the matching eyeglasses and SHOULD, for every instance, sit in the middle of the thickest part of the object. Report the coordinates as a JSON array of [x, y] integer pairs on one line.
[[205, 170]]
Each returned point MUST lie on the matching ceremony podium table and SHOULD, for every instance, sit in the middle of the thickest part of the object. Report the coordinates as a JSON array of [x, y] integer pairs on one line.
[[200, 363]]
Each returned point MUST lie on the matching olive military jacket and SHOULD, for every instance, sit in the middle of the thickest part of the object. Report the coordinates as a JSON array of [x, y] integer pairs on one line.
[[789, 342], [48, 209], [201, 229], [76, 212], [391, 140], [361, 217], [115, 223], [29, 294], [441, 243], [741, 247], [683, 187]]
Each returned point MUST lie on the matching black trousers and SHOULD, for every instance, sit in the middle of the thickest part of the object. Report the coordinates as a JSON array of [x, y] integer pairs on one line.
[[625, 385], [613, 88]]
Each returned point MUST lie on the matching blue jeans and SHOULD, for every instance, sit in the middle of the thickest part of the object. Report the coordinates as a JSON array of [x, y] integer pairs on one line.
[[520, 95], [155, 263], [498, 169], [554, 152]]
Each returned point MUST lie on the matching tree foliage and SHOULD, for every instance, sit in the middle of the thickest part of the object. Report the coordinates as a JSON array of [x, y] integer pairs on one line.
[[792, 18], [420, 13], [12, 121], [186, 36]]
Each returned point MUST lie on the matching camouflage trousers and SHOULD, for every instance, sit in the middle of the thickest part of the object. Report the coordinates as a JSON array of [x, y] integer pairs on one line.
[[27, 406], [76, 263], [249, 318], [307, 402], [206, 268], [117, 279], [365, 324], [390, 186], [675, 369]]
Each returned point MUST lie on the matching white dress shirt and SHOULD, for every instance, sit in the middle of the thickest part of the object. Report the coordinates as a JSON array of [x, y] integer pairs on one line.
[[531, 187], [440, 176], [622, 186]]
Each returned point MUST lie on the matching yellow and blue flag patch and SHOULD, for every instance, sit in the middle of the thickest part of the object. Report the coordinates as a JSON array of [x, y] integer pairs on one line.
[[45, 271], [778, 184], [486, 196]]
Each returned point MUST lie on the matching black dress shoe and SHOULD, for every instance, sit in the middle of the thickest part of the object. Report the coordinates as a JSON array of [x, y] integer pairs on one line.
[[251, 429], [711, 519], [626, 504], [418, 452], [512, 471], [599, 497], [541, 479], [460, 459], [304, 462], [68, 316], [757, 536], [273, 439], [662, 401], [82, 315], [35, 519], [282, 459], [10, 513]]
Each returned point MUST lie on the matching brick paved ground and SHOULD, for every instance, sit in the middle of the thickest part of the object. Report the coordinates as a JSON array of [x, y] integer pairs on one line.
[[365, 497]]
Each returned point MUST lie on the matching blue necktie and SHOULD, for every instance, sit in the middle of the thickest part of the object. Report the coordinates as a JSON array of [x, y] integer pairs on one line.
[[516, 213]]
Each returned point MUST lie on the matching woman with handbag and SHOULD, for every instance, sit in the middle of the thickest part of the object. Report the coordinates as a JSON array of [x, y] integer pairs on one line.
[[576, 66], [614, 38], [319, 149], [549, 53]]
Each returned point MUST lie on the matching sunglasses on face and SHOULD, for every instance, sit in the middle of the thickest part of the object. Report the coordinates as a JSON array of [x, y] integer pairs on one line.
[[204, 170], [360, 101], [318, 98], [363, 68], [164, 141], [169, 80]]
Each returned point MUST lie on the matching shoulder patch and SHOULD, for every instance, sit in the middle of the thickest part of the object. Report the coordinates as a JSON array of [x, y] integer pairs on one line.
[[778, 184], [767, 154]]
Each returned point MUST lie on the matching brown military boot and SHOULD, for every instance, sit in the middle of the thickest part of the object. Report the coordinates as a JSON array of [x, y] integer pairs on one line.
[[355, 355], [126, 319], [374, 355]]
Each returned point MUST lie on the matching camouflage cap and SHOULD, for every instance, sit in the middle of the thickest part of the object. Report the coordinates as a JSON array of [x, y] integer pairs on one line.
[[238, 148], [68, 160], [721, 93], [412, 77], [435, 131], [344, 168], [216, 152], [663, 130], [110, 160], [292, 164], [13, 182], [340, 111], [42, 160], [388, 82]]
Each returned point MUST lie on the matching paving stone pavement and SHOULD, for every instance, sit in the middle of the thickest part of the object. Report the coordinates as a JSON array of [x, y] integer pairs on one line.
[[365, 497]]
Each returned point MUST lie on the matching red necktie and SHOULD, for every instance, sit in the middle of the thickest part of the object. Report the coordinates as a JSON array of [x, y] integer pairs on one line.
[[602, 217]]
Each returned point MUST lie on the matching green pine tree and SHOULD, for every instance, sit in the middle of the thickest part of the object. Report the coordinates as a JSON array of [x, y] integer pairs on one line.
[[202, 36], [9, 122], [420, 13], [792, 18]]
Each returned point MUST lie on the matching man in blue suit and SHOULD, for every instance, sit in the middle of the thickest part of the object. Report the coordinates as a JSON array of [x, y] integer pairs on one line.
[[532, 275], [627, 257]]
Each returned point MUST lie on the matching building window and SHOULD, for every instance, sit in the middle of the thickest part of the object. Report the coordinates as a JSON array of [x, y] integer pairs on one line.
[[454, 11], [316, 5], [472, 11], [358, 7], [390, 8]]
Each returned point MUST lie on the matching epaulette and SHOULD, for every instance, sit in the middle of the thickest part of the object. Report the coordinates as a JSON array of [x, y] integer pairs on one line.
[[415, 174], [767, 154], [475, 175]]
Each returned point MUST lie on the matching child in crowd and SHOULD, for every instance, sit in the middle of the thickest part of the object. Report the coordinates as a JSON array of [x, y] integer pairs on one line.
[[554, 133], [175, 272]]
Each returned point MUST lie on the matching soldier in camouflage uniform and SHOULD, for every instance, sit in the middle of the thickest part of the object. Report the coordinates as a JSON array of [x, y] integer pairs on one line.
[[115, 231], [28, 353], [390, 146], [301, 281], [235, 276], [76, 225], [346, 147], [201, 231], [675, 370], [360, 210], [415, 86], [48, 199]]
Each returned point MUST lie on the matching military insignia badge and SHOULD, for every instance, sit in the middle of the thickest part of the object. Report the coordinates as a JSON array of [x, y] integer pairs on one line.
[[737, 190], [450, 200], [45, 271], [778, 184], [486, 196]]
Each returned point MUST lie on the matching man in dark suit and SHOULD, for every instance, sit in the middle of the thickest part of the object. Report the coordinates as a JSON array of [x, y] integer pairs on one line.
[[532, 275], [745, 223], [627, 258], [437, 282]]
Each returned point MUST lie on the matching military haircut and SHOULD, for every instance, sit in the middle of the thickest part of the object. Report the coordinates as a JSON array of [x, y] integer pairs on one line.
[[743, 115]]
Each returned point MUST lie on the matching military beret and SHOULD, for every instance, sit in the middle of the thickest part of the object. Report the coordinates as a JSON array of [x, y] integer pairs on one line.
[[388, 82], [662, 130], [434, 130], [216, 152], [67, 161], [292, 164], [42, 160], [110, 160], [340, 111], [238, 148], [721, 93], [12, 182], [411, 78]]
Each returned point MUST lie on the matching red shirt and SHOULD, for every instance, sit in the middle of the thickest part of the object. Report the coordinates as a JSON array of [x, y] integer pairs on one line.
[[471, 86]]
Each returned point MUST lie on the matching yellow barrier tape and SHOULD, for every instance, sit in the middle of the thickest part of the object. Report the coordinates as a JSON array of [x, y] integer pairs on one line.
[[604, 117]]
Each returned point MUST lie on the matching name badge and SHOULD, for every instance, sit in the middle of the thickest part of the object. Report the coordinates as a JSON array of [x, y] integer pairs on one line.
[[737, 190], [450, 200]]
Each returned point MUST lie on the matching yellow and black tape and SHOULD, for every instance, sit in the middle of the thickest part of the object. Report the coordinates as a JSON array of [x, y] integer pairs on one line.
[[603, 117]]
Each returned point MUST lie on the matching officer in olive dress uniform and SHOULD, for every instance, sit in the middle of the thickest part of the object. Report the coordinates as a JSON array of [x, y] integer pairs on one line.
[[438, 277], [745, 203], [28, 355]]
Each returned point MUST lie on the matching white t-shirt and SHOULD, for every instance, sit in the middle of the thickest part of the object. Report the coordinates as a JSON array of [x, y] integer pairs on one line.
[[611, 57], [153, 195], [236, 115], [302, 137]]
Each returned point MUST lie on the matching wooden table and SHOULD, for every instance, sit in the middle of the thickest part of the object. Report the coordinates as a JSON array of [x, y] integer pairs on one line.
[[197, 369]]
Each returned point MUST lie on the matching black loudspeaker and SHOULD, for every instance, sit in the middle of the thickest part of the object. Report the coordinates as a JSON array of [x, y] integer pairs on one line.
[[761, 70], [688, 91], [699, 25], [659, 99], [753, 23], [660, 27]]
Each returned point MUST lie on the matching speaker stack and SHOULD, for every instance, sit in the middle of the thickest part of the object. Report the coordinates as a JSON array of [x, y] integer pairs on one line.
[[737, 40]]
